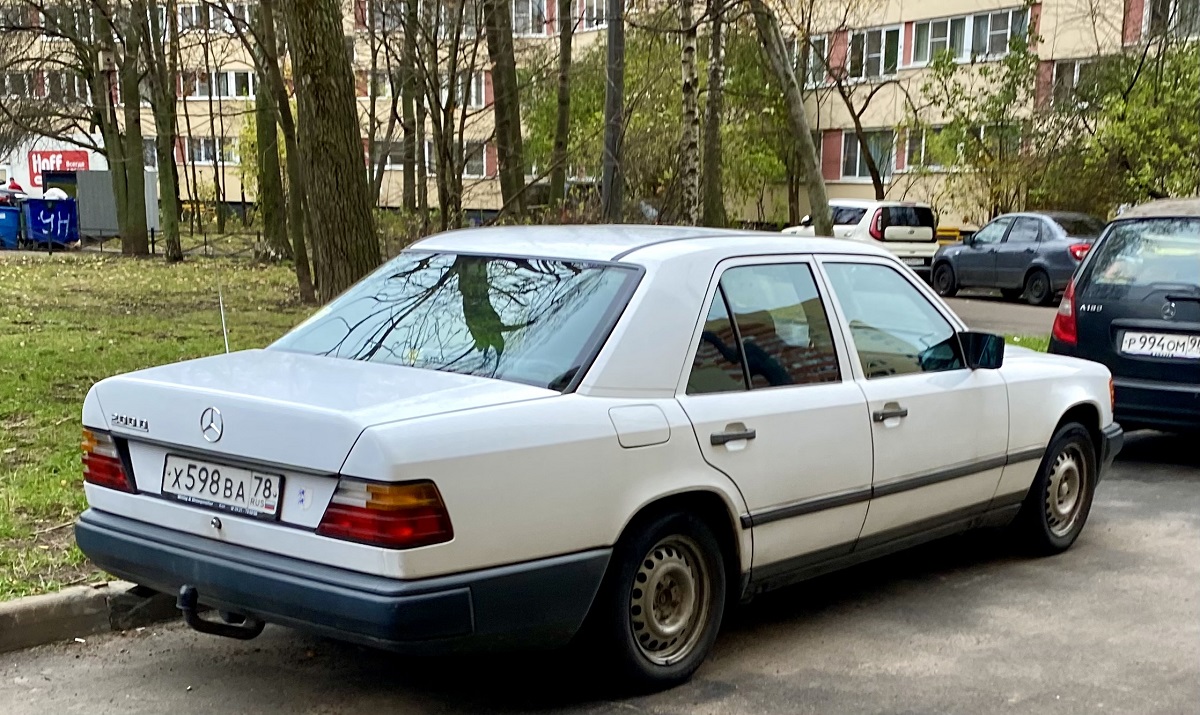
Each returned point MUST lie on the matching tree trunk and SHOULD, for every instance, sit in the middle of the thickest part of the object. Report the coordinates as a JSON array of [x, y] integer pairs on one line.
[[497, 20], [162, 69], [689, 142], [772, 40], [612, 188], [408, 78], [270, 182], [135, 238], [562, 126], [712, 189]]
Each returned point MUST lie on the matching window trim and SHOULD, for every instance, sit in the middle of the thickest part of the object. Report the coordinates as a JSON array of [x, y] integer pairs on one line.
[[884, 31], [969, 53], [824, 292], [823, 259]]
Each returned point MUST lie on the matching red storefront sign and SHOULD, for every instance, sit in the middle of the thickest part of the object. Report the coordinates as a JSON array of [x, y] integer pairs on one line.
[[64, 160]]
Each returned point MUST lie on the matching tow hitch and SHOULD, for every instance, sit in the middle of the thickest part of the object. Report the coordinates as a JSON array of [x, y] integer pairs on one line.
[[235, 626]]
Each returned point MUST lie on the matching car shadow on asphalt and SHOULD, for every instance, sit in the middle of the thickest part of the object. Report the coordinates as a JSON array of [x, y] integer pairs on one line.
[[1159, 449], [523, 682]]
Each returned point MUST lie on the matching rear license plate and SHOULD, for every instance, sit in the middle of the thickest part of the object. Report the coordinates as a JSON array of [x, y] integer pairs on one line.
[[1168, 345], [219, 486], [914, 261]]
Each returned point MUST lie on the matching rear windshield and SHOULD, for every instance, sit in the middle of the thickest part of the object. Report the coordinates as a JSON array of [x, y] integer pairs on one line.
[[523, 320], [910, 216], [1143, 255], [1080, 226]]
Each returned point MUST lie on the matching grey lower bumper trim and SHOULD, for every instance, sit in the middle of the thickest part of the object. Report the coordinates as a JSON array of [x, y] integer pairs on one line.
[[537, 603]]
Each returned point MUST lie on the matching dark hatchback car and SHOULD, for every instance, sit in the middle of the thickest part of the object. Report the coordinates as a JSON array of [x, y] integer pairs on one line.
[[1134, 305], [1030, 254]]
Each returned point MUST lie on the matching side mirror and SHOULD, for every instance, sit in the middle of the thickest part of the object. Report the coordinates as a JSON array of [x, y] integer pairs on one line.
[[982, 351], [968, 239]]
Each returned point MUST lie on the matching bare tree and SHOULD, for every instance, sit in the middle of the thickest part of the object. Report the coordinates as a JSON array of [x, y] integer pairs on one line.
[[689, 143], [497, 20], [711, 189], [562, 125], [161, 47], [612, 189]]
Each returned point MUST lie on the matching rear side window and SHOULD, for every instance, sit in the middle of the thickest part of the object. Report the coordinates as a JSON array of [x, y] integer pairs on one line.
[[909, 216], [1080, 226], [784, 333], [1143, 255], [847, 216]]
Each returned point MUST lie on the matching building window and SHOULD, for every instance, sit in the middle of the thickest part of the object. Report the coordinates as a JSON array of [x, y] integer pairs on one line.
[[921, 148], [149, 153], [203, 150], [194, 17], [235, 84], [1180, 17], [948, 35], [468, 90], [529, 17], [818, 59], [391, 153], [475, 160], [18, 84], [66, 88], [992, 32], [874, 53], [593, 14], [854, 163], [1069, 77], [236, 16]]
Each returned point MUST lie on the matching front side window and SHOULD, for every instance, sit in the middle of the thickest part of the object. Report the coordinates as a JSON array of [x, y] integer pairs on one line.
[[784, 333], [896, 330], [532, 321], [993, 232]]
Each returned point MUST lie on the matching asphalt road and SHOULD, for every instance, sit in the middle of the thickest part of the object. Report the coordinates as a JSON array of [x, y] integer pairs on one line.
[[964, 625], [986, 310]]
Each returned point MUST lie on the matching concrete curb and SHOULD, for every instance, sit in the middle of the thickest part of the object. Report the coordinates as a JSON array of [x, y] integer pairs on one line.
[[80, 611]]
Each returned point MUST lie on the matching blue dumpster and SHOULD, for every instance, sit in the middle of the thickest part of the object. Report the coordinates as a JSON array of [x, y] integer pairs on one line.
[[51, 221], [10, 226]]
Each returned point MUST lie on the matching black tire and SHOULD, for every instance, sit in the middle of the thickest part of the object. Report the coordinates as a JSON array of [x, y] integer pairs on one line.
[[943, 280], [1038, 290], [1058, 503], [1011, 293], [622, 633]]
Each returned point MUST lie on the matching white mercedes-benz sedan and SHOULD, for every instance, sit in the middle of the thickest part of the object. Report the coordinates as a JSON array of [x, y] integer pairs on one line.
[[515, 437]]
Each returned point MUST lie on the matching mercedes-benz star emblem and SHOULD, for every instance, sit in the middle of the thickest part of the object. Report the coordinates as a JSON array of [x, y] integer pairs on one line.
[[1168, 311], [211, 424]]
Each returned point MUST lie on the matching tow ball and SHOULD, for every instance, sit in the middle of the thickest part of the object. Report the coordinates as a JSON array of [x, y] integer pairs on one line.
[[236, 625]]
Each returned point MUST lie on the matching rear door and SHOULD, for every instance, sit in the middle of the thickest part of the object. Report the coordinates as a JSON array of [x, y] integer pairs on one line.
[[1137, 304], [976, 263], [774, 407], [1017, 251]]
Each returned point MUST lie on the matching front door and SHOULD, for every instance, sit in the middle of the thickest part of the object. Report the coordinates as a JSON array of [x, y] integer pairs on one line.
[[939, 429], [976, 263], [774, 407], [1016, 253]]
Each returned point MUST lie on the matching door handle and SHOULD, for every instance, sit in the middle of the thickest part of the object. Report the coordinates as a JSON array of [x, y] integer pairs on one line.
[[889, 412], [732, 435]]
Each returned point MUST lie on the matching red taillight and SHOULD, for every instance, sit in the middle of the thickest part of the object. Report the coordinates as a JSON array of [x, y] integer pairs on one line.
[[397, 516], [1079, 250], [1065, 329], [876, 228], [102, 464]]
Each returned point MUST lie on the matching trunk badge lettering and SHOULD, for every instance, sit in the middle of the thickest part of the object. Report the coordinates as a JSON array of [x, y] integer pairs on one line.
[[212, 425], [131, 423]]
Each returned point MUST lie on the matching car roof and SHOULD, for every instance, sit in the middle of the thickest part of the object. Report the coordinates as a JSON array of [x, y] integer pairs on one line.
[[616, 242], [1164, 208], [871, 203]]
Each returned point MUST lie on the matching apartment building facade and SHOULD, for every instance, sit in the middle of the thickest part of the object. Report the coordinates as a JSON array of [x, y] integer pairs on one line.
[[861, 42]]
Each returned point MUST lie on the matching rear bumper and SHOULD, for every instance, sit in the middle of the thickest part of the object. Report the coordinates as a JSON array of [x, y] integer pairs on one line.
[[1157, 405], [534, 604]]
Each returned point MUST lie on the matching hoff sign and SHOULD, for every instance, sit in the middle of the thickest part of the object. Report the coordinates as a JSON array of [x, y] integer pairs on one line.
[[68, 160]]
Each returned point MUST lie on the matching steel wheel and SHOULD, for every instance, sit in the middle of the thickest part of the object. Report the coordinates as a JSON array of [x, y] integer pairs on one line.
[[669, 601], [1037, 288], [944, 282], [1065, 491]]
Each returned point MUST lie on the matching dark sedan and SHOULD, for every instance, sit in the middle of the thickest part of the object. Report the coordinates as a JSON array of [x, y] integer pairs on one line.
[[1030, 254]]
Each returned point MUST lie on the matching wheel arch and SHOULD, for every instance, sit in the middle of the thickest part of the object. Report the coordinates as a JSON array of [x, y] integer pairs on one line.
[[717, 512], [1087, 414]]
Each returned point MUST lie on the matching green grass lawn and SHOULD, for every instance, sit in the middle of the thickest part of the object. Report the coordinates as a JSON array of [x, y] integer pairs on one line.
[[69, 320]]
